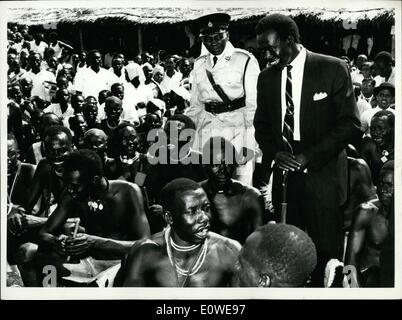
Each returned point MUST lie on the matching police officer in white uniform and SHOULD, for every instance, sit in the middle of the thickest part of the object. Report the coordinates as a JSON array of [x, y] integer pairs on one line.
[[224, 91]]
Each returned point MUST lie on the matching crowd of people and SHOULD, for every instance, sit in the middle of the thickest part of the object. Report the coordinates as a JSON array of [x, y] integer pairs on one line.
[[159, 171]]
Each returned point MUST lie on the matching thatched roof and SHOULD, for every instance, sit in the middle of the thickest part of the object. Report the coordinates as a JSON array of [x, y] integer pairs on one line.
[[38, 16]]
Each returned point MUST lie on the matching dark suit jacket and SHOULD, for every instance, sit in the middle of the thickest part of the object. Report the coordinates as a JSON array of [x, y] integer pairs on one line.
[[326, 125]]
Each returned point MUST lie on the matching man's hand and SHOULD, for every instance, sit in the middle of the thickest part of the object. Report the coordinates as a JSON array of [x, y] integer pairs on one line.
[[302, 160], [59, 244], [15, 223], [77, 246], [286, 161]]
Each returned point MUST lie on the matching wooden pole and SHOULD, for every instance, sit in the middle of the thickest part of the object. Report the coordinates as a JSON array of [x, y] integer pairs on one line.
[[139, 36], [81, 38]]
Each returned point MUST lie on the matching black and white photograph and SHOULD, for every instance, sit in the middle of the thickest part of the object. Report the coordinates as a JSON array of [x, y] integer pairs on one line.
[[237, 146]]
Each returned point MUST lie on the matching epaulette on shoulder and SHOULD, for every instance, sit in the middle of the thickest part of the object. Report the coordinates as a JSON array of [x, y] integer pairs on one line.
[[242, 51], [200, 58]]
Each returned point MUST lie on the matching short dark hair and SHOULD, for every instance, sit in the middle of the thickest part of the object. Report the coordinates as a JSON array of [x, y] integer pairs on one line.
[[386, 113], [171, 191], [282, 251], [86, 161], [384, 56], [283, 25], [370, 80], [115, 85], [55, 130]]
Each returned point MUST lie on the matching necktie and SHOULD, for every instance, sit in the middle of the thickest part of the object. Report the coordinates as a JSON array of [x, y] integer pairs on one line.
[[288, 125], [214, 59]]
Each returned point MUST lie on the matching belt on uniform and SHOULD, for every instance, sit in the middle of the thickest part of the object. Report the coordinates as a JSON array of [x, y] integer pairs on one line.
[[221, 107]]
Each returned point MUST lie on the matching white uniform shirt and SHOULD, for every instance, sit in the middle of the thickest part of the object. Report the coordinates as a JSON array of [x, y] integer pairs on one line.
[[168, 83]]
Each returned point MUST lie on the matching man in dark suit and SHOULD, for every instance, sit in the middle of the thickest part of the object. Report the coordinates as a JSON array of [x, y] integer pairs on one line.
[[306, 115]]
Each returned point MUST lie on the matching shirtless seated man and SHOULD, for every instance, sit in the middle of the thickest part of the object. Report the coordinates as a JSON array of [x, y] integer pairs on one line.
[[236, 209], [20, 226], [111, 212], [370, 229], [186, 253]]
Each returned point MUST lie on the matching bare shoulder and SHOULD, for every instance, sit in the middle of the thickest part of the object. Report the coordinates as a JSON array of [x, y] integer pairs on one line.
[[364, 213], [224, 244], [148, 246], [122, 185]]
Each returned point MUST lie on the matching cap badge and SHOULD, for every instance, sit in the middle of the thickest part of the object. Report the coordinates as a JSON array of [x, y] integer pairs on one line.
[[210, 24]]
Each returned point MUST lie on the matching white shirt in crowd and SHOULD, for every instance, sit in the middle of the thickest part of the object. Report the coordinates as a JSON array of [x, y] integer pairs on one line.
[[39, 87], [365, 118], [38, 48], [90, 83], [297, 81], [168, 83], [56, 109], [363, 104], [57, 49], [357, 76]]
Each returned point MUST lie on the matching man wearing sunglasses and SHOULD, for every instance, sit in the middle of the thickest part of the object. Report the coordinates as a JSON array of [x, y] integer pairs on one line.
[[223, 96]]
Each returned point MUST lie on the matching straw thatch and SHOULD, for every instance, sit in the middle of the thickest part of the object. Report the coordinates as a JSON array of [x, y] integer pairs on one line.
[[143, 16]]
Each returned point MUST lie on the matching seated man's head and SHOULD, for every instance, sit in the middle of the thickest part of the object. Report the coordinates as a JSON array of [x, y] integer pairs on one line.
[[152, 121], [95, 59], [13, 61], [158, 73], [103, 95], [83, 56], [117, 90], [35, 61], [186, 210], [180, 131], [96, 140], [15, 93], [77, 103], [82, 171], [126, 139], [383, 63], [12, 154], [368, 85], [385, 189], [118, 62], [90, 112], [58, 144], [36, 119], [385, 94], [170, 64], [39, 37], [53, 62], [185, 67], [49, 119], [277, 255], [113, 109], [147, 69], [63, 96], [62, 81], [219, 157], [366, 69], [382, 129], [26, 84], [78, 125], [361, 58]]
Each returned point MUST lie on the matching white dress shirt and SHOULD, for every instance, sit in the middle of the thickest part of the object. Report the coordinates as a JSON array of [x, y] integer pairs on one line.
[[90, 83], [39, 87], [297, 82], [56, 109]]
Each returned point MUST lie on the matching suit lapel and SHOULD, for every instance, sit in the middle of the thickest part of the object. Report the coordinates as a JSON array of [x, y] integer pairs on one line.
[[309, 77]]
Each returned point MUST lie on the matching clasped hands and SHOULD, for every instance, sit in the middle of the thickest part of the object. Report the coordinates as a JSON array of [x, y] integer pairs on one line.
[[289, 162]]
